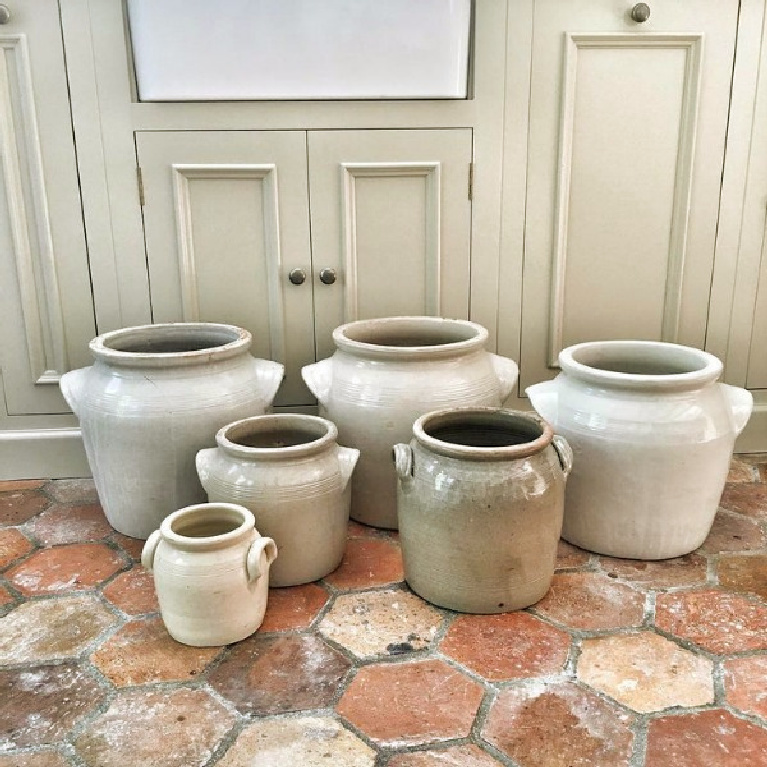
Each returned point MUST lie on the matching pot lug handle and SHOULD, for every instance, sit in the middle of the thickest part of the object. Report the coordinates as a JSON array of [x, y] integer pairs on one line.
[[270, 376], [347, 460], [565, 453], [507, 372], [148, 552], [261, 554], [402, 455], [318, 377], [202, 462], [72, 385], [544, 398], [741, 403]]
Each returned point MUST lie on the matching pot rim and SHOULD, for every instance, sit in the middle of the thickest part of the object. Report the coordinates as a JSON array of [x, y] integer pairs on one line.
[[272, 422], [233, 340], [468, 452], [207, 543], [476, 337], [705, 367]]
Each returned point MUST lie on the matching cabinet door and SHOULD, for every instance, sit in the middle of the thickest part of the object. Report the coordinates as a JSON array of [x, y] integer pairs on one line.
[[46, 306], [390, 214], [226, 220], [627, 131]]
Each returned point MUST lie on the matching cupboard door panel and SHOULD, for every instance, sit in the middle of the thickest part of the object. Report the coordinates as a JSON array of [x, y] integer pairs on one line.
[[625, 161], [391, 215], [226, 220]]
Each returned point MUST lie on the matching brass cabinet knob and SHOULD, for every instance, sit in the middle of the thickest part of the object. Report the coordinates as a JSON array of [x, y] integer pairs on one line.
[[640, 12], [297, 276], [327, 276]]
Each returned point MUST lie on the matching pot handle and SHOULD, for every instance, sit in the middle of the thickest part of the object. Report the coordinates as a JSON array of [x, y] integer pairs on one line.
[[202, 462], [507, 372], [72, 385], [269, 375], [741, 403], [261, 554], [545, 399], [347, 460], [565, 453], [148, 552], [319, 377], [402, 455]]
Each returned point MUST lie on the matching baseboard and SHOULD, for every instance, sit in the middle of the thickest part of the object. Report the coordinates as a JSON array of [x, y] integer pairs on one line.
[[754, 436], [42, 454]]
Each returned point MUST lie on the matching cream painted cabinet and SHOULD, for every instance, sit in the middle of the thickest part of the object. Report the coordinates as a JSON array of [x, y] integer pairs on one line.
[[627, 128], [291, 233]]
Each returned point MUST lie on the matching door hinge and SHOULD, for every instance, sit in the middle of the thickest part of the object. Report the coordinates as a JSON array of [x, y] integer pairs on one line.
[[140, 180], [471, 181]]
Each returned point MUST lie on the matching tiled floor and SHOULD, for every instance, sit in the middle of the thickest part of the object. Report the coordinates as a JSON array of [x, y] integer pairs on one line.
[[622, 664]]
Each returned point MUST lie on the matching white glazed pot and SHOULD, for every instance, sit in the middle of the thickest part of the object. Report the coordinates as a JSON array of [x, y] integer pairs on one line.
[[653, 434], [387, 372], [211, 573], [481, 495], [155, 395], [289, 471]]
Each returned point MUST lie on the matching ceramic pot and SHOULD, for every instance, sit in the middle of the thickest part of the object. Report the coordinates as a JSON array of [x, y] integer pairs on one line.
[[289, 471], [387, 372], [155, 395], [211, 573], [481, 493], [653, 434]]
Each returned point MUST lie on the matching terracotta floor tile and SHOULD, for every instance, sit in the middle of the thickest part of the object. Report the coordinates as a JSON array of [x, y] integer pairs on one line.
[[742, 471], [733, 532], [70, 524], [131, 546], [506, 646], [358, 530], [745, 684], [750, 499], [51, 629], [294, 607], [154, 728], [274, 675], [17, 506], [34, 759], [591, 601], [710, 738], [12, 546], [411, 703], [142, 652], [65, 568], [646, 672], [14, 485], [368, 562], [133, 592], [745, 574], [6, 598], [304, 742], [554, 725], [41, 705], [719, 622], [680, 571], [72, 491], [456, 756], [379, 623], [570, 556]]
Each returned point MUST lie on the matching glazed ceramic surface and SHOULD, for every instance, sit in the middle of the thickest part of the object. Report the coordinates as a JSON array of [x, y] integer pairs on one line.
[[652, 433], [290, 472], [387, 372], [155, 395], [211, 573], [481, 494]]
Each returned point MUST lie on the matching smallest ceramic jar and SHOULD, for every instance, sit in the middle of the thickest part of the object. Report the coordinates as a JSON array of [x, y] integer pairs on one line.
[[480, 502], [290, 472], [211, 573]]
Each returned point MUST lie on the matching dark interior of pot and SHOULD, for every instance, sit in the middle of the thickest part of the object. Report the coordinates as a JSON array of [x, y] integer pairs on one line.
[[205, 523], [270, 436], [485, 429], [646, 361], [162, 340], [405, 334]]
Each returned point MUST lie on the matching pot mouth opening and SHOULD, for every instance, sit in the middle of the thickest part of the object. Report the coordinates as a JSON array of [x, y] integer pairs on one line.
[[284, 434], [207, 523]]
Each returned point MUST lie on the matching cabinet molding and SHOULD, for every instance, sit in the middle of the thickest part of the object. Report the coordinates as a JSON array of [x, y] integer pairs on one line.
[[27, 214]]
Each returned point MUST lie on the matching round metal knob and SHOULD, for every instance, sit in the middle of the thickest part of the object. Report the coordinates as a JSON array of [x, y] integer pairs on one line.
[[297, 276], [327, 276], [640, 12], [5, 14]]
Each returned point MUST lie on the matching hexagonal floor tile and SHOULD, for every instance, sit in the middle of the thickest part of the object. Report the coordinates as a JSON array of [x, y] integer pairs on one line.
[[733, 532], [540, 725], [66, 568], [712, 737], [742, 471], [368, 562], [155, 728], [571, 556], [745, 498], [717, 621], [381, 623], [294, 607], [646, 672], [455, 756], [34, 759], [411, 703], [306, 741], [12, 546], [277, 674], [52, 629], [142, 652], [745, 573], [14, 485], [506, 646], [591, 601], [41, 705], [70, 524], [745, 684], [19, 505], [133, 592], [688, 570], [72, 490], [131, 546]]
